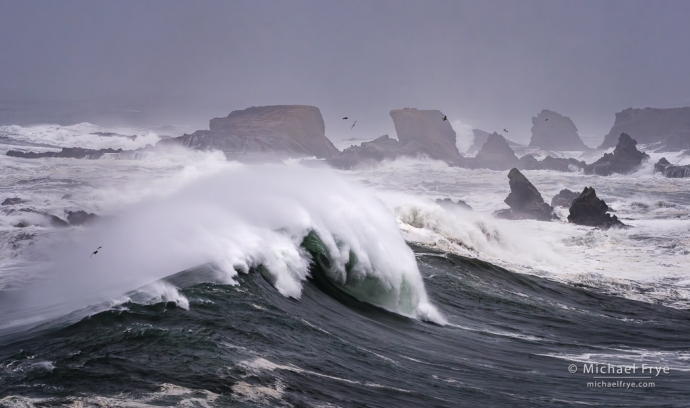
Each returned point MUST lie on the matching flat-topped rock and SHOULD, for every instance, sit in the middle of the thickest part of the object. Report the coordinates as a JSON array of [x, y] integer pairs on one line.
[[625, 159], [553, 131], [427, 128], [649, 125], [279, 131], [588, 209], [524, 200]]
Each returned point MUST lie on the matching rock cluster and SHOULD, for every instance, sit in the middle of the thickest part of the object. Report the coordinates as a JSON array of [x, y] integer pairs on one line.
[[669, 170], [624, 159], [524, 200], [589, 210]]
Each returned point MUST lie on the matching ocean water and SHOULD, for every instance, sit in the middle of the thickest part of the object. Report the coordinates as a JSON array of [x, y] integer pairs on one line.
[[208, 291]]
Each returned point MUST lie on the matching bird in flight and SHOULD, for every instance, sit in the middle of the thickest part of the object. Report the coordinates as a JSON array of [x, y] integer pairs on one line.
[[505, 130], [445, 118], [96, 251], [353, 125], [345, 118], [546, 119]]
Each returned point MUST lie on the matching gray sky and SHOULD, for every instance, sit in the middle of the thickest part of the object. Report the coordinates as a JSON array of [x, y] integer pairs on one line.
[[490, 64]]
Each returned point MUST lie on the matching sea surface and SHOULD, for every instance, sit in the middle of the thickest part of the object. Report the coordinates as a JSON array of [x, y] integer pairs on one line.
[[223, 284]]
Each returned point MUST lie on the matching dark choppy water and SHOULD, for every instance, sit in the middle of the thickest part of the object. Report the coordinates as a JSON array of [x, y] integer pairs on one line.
[[509, 342]]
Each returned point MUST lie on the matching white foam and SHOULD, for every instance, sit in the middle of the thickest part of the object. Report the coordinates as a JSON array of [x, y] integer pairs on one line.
[[241, 217], [85, 135]]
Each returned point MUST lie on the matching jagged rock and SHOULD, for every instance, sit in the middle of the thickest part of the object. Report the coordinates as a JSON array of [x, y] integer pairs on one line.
[[13, 201], [564, 198], [480, 137], [80, 217], [449, 202], [65, 153], [427, 128], [495, 155], [624, 159], [557, 133], [588, 209], [669, 170], [650, 125], [263, 132], [524, 200]]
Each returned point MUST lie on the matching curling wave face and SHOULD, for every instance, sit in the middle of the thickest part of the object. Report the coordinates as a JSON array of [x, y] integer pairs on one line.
[[241, 218]]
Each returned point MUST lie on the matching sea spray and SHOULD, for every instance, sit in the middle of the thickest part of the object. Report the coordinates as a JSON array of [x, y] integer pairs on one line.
[[241, 218]]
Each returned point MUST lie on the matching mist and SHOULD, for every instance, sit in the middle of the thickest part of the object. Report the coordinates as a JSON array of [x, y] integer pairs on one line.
[[239, 218], [491, 64]]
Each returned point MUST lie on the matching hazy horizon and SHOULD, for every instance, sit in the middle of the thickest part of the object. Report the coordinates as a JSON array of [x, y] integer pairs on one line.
[[489, 65]]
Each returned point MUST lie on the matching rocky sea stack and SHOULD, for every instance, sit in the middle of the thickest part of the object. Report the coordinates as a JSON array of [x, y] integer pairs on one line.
[[264, 132], [589, 210], [553, 131], [428, 130], [625, 159], [524, 200], [650, 125]]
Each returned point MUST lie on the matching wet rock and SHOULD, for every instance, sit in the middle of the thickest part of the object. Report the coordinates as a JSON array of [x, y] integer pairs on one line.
[[669, 170], [13, 201], [588, 209], [80, 217], [553, 131], [524, 200], [450, 203], [564, 198], [529, 162], [625, 159]]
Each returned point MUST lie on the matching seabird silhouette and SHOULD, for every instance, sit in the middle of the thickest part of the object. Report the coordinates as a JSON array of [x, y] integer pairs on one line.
[[345, 118], [546, 119], [353, 125], [96, 251], [505, 130], [445, 118]]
